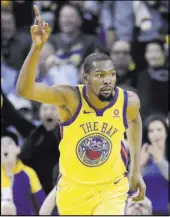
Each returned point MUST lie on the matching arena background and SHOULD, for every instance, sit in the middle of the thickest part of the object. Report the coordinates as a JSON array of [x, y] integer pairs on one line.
[[136, 36]]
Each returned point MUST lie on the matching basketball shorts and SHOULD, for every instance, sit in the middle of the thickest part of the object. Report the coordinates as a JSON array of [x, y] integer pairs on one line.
[[99, 199]]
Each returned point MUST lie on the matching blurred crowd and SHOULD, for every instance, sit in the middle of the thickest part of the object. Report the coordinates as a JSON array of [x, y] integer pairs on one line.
[[135, 35]]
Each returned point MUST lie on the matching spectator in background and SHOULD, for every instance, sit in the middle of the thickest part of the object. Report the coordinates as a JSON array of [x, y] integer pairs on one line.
[[8, 208], [152, 85], [49, 12], [14, 45], [10, 117], [139, 208], [121, 56], [24, 106], [23, 14], [19, 183], [71, 45], [137, 23], [90, 11], [8, 77], [154, 163], [41, 148]]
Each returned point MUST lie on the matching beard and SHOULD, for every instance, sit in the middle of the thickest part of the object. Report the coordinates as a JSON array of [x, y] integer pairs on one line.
[[106, 98]]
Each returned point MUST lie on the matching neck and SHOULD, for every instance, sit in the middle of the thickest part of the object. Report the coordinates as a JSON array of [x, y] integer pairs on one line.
[[94, 100]]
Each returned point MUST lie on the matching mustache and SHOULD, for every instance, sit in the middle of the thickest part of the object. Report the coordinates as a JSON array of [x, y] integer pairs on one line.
[[107, 87]]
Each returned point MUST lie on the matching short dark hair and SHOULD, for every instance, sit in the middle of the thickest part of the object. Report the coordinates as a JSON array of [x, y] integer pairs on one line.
[[74, 6], [94, 57], [13, 136], [157, 42]]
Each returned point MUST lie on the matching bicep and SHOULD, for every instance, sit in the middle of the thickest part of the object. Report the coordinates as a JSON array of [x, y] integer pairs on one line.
[[44, 93]]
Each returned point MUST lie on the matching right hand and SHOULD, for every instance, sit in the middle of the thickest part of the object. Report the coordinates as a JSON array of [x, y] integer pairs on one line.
[[40, 30], [145, 154], [8, 208]]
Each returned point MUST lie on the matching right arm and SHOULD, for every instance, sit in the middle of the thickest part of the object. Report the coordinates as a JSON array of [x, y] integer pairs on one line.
[[26, 85]]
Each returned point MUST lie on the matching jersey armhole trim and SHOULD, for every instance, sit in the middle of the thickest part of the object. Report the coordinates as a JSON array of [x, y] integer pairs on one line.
[[73, 118], [125, 109]]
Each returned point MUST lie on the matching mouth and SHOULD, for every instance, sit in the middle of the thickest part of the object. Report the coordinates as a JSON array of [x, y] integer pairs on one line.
[[106, 92], [157, 140], [49, 120], [106, 89]]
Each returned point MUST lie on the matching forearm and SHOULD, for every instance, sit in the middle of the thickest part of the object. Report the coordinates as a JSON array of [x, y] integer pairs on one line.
[[26, 79], [135, 141], [163, 166], [49, 203]]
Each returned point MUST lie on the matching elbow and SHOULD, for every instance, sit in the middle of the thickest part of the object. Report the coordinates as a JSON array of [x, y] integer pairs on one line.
[[19, 91], [22, 91]]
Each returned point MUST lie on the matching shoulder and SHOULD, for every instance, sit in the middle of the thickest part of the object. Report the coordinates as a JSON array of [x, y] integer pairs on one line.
[[133, 106], [66, 90], [70, 95], [133, 99], [30, 172]]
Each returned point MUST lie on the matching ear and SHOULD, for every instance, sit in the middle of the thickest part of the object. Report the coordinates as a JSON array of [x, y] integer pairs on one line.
[[85, 78]]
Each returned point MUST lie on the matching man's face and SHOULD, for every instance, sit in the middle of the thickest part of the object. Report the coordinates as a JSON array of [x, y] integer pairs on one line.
[[139, 208], [102, 80], [9, 150], [7, 25], [69, 19], [120, 54], [155, 55], [48, 115]]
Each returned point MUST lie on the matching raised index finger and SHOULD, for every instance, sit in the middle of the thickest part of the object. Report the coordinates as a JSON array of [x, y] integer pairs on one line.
[[37, 13]]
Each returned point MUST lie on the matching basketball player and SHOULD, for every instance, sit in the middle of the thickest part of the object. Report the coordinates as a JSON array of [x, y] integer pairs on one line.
[[93, 118]]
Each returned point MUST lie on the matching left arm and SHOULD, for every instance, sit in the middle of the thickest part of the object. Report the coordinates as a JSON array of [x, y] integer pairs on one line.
[[134, 131], [134, 134]]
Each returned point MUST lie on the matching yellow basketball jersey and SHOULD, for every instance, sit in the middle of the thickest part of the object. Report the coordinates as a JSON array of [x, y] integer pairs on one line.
[[91, 149]]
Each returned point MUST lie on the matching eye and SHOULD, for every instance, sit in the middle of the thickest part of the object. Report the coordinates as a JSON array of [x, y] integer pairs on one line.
[[99, 75], [113, 74]]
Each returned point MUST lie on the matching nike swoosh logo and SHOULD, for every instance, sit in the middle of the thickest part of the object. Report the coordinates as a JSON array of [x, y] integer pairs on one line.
[[125, 175], [117, 181], [87, 112]]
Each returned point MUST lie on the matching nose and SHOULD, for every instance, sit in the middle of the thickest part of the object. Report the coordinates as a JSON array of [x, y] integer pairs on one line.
[[107, 80]]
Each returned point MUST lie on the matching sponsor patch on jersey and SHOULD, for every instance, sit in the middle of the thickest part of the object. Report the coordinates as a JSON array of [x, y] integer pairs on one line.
[[94, 150]]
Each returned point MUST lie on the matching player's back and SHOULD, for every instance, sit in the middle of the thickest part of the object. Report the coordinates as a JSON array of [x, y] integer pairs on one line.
[[91, 150]]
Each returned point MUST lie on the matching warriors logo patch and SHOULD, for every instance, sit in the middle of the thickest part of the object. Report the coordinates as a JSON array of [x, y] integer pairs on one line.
[[94, 150]]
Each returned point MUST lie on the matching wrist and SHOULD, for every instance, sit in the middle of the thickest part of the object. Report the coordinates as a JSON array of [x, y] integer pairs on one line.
[[37, 47], [135, 169]]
